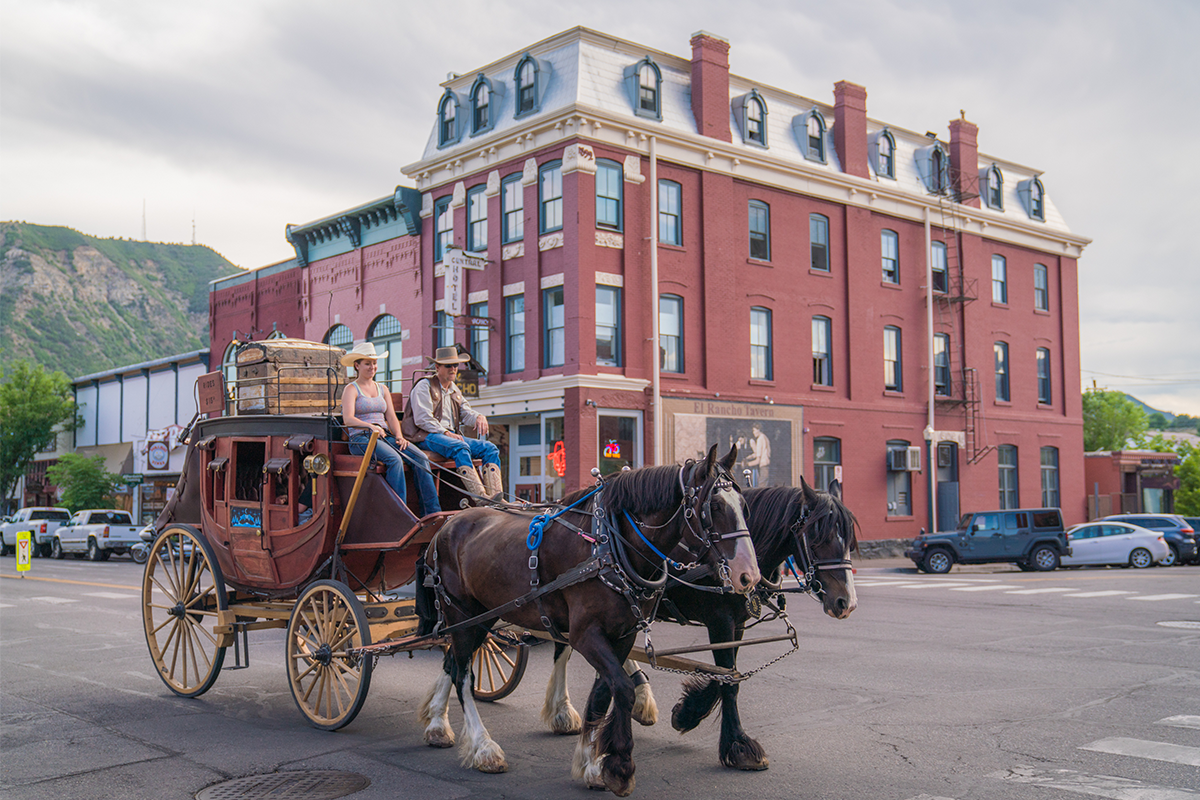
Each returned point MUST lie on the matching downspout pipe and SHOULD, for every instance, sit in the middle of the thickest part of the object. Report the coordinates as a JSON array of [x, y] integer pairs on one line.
[[655, 358], [931, 467]]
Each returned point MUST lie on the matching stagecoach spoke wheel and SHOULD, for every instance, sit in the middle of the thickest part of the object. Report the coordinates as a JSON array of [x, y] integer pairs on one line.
[[329, 681], [498, 665], [182, 593]]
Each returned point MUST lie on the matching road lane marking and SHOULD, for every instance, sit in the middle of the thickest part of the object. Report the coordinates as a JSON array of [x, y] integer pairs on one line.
[[56, 600], [982, 588], [1185, 624], [1109, 593], [124, 586], [1156, 597], [7, 605], [1097, 785], [1140, 748], [111, 595], [1040, 591], [1181, 721], [933, 585]]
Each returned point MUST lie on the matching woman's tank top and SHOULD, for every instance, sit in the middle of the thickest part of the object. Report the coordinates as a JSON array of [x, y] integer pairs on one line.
[[370, 409]]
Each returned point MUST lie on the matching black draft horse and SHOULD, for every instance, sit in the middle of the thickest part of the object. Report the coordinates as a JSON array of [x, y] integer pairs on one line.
[[814, 528], [479, 561]]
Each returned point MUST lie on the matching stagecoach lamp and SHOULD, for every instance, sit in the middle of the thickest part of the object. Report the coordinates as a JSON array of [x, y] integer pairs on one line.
[[317, 464]]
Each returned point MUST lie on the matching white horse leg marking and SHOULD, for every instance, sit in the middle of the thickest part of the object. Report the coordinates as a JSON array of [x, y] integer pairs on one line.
[[435, 713], [478, 750], [645, 709], [557, 712], [586, 764]]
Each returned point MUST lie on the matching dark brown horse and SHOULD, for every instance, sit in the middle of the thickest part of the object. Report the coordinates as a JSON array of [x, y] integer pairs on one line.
[[603, 593], [812, 527]]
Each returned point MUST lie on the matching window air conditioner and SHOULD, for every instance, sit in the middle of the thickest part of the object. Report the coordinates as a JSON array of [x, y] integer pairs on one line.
[[905, 460]]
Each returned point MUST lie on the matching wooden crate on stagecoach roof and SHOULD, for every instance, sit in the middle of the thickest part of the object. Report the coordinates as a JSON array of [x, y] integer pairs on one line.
[[289, 376]]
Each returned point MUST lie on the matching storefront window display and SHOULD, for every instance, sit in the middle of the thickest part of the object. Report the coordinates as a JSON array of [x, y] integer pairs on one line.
[[155, 494], [618, 442]]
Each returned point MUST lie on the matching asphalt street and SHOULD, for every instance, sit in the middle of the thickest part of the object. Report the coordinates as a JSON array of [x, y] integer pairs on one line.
[[984, 684]]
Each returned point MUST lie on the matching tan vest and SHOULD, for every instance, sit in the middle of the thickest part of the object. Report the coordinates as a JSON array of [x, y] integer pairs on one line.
[[408, 425]]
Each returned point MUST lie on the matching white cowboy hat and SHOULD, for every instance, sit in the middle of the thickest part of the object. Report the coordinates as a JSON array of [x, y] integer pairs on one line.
[[449, 355], [360, 352]]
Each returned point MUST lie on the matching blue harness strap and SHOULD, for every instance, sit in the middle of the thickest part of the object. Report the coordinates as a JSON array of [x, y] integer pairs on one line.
[[675, 564], [537, 525]]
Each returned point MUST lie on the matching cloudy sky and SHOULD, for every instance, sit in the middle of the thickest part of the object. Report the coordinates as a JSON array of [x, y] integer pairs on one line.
[[240, 117]]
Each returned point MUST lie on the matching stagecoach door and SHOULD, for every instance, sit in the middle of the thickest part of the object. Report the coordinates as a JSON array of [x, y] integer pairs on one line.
[[249, 496]]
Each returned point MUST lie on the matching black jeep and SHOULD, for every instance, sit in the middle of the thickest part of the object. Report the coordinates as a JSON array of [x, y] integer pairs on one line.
[[1031, 538]]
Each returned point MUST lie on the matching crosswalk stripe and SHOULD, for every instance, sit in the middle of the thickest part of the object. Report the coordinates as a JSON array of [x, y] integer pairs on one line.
[[1040, 591], [1181, 721], [1158, 751], [932, 585], [112, 595], [982, 588], [1155, 597], [1109, 593], [56, 600], [1097, 785]]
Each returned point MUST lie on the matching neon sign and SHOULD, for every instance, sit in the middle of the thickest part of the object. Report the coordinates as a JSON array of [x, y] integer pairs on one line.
[[612, 449]]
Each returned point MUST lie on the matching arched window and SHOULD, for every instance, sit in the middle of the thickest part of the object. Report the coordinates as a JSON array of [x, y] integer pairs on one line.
[[937, 182], [386, 334], [229, 365], [643, 82], [1037, 198], [814, 147], [481, 102], [886, 152], [448, 129], [750, 112], [994, 192], [528, 75], [339, 336]]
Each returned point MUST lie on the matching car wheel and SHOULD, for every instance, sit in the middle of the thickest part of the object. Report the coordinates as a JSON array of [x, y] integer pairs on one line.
[[94, 552], [938, 561], [1171, 559], [1141, 558], [1044, 559], [1024, 566], [56, 550]]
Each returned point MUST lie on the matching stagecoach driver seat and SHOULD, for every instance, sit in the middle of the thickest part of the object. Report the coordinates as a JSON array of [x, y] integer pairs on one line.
[[367, 407], [435, 411]]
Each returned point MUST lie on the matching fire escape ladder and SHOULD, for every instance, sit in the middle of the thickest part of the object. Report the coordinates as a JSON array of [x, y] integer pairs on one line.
[[977, 448]]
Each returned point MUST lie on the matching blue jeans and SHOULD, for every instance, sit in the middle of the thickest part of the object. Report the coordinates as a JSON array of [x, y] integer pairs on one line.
[[462, 450], [393, 459]]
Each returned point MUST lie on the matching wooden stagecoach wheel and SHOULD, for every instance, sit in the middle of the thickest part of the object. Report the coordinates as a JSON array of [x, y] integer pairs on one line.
[[498, 666], [182, 593], [329, 684]]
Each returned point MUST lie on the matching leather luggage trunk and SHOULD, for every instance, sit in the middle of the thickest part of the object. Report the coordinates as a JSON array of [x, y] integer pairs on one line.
[[289, 376]]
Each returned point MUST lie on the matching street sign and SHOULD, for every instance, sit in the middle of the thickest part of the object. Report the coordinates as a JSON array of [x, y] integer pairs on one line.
[[457, 258], [132, 480], [24, 550]]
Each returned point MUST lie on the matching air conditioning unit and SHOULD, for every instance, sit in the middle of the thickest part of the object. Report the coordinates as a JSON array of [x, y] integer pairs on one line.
[[906, 460]]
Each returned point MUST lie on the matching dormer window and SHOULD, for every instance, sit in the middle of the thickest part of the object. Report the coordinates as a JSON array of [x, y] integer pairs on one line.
[[448, 129], [814, 145], [1034, 196], [751, 113], [886, 155], [643, 81], [994, 190], [485, 104], [527, 86], [934, 166]]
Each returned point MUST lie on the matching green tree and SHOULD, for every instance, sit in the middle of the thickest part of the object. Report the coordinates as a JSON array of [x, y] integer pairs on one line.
[[1110, 419], [1184, 422], [1187, 497], [83, 482], [1157, 421], [34, 406]]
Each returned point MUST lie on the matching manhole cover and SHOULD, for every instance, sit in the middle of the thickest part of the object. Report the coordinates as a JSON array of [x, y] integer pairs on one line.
[[1190, 625], [309, 784]]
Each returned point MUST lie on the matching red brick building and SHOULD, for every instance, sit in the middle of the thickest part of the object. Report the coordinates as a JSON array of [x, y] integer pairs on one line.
[[832, 291]]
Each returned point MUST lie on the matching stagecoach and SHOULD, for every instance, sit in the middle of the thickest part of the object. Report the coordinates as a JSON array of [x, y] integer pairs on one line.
[[274, 524]]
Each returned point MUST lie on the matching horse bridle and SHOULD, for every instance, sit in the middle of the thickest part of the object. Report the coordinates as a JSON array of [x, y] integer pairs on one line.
[[810, 566]]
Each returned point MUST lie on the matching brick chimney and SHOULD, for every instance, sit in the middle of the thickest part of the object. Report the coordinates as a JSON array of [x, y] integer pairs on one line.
[[710, 85], [850, 127], [964, 160]]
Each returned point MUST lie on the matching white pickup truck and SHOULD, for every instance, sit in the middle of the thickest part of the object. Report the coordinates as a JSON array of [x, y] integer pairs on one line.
[[41, 521], [99, 532]]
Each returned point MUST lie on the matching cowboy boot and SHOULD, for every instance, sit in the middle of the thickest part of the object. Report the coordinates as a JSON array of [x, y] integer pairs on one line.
[[493, 483], [471, 483]]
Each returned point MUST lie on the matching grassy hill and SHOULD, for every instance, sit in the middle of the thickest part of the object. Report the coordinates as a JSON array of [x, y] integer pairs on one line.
[[82, 304]]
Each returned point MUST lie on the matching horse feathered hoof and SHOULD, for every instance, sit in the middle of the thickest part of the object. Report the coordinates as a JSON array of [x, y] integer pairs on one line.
[[439, 737], [645, 708], [745, 753], [619, 787]]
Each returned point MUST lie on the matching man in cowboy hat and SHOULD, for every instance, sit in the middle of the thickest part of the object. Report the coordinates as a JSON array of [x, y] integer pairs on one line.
[[436, 410], [367, 407]]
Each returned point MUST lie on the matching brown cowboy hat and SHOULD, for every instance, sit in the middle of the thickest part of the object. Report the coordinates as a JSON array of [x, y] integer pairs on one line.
[[449, 355]]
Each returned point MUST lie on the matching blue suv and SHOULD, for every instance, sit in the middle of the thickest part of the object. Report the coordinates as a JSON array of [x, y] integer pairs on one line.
[[1031, 538]]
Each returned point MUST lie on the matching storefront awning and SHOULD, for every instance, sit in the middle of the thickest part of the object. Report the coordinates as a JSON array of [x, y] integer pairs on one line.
[[118, 458]]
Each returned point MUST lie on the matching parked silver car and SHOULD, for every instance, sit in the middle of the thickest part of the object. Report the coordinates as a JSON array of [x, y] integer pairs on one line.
[[1114, 543]]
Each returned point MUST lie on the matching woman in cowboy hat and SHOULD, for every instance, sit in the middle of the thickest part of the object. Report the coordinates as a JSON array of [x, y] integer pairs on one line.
[[366, 407], [436, 410]]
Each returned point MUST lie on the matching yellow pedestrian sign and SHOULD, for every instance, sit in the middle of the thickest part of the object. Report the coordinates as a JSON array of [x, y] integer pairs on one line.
[[24, 550]]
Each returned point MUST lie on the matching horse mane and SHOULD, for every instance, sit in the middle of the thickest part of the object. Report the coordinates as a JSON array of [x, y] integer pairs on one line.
[[642, 491], [774, 509]]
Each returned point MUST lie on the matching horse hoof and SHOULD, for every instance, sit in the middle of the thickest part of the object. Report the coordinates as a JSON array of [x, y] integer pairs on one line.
[[566, 722], [753, 766], [622, 789], [439, 738], [493, 768]]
